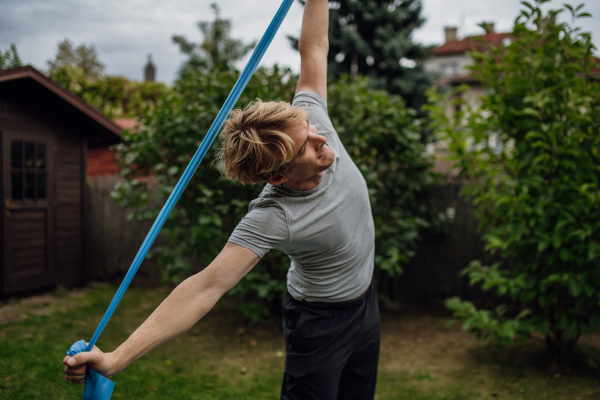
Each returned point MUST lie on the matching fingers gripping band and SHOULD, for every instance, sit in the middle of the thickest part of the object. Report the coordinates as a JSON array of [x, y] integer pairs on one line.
[[96, 386]]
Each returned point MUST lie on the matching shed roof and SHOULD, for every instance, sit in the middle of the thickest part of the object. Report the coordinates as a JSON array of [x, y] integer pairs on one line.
[[108, 130]]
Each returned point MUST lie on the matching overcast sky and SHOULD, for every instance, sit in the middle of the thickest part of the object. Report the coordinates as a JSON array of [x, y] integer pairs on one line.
[[126, 31]]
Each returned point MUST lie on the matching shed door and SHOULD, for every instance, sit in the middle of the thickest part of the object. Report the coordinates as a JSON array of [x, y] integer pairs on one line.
[[27, 170]]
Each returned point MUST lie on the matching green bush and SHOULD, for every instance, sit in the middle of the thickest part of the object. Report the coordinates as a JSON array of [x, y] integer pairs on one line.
[[114, 96], [377, 129], [535, 187], [10, 59]]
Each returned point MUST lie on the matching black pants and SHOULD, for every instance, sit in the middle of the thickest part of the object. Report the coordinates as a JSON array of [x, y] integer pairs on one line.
[[332, 348]]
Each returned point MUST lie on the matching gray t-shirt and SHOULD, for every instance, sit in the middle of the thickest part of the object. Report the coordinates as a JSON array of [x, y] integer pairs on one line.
[[328, 231]]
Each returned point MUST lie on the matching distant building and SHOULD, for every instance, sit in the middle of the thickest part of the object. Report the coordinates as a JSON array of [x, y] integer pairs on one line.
[[149, 70], [451, 60]]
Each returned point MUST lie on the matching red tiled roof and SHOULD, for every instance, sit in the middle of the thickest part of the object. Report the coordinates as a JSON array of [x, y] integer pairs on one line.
[[469, 43], [596, 71], [126, 123]]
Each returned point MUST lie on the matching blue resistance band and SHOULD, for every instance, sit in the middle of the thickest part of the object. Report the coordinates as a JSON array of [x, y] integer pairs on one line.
[[237, 90]]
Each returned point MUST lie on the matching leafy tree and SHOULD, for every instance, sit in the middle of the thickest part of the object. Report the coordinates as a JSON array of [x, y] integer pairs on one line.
[[536, 189], [217, 50], [80, 71], [377, 129], [114, 96], [373, 38], [10, 59], [83, 57]]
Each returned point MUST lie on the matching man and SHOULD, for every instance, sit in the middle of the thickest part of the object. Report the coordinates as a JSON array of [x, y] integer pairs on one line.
[[316, 209]]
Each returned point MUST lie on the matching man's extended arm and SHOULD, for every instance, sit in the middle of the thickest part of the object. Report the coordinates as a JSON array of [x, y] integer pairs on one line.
[[314, 46], [188, 302]]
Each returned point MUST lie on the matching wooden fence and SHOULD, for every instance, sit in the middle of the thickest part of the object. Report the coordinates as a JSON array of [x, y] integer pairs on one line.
[[434, 273], [113, 241]]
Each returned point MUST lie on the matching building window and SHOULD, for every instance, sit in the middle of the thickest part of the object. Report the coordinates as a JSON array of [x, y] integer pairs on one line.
[[444, 70], [28, 170], [454, 69]]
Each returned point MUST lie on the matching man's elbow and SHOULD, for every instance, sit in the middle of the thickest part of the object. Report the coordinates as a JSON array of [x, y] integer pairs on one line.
[[207, 285], [313, 48]]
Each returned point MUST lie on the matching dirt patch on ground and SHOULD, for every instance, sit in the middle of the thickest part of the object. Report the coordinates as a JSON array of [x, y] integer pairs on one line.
[[11, 313], [419, 344], [410, 342], [41, 305]]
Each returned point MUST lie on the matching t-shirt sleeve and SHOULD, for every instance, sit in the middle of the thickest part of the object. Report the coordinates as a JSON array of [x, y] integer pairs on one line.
[[318, 114], [262, 229]]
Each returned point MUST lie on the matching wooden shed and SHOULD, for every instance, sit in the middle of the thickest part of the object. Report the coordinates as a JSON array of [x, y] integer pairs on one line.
[[45, 132]]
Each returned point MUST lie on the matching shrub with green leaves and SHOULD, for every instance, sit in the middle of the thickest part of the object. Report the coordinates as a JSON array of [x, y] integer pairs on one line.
[[10, 58], [114, 96], [530, 156], [379, 132]]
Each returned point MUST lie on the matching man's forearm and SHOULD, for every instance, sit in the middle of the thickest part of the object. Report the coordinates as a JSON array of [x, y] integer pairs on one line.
[[187, 304], [315, 24]]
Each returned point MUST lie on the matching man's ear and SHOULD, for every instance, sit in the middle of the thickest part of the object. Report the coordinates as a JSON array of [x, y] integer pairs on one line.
[[278, 180]]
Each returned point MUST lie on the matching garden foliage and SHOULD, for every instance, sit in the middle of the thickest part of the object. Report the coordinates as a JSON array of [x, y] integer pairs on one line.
[[380, 133], [530, 157], [10, 59], [79, 70], [217, 50], [114, 96], [83, 57]]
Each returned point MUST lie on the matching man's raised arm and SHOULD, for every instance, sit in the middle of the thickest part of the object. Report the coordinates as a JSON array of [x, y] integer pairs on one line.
[[186, 304], [314, 46]]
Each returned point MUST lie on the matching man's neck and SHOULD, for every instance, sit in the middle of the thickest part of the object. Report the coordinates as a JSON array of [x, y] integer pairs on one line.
[[306, 184]]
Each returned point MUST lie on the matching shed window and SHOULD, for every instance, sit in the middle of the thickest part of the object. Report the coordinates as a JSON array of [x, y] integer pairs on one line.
[[16, 185], [41, 186], [29, 155], [28, 170], [30, 185], [16, 154], [40, 160]]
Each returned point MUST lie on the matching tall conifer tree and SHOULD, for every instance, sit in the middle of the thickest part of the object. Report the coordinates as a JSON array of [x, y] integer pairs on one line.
[[373, 38]]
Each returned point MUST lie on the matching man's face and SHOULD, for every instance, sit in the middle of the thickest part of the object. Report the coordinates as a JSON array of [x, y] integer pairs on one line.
[[313, 156]]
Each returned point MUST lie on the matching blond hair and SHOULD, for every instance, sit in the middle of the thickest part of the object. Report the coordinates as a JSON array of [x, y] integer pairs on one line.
[[254, 145]]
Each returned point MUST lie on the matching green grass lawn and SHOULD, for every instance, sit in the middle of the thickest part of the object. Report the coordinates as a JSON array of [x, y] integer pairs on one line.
[[223, 357]]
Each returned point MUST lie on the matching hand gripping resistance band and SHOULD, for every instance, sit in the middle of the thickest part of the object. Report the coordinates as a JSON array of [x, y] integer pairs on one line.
[[98, 387]]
